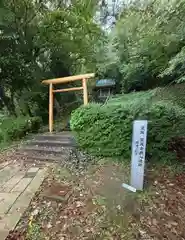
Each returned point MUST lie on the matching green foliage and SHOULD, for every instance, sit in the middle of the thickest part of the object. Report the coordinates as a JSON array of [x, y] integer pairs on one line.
[[34, 232], [16, 128], [41, 40], [146, 47], [122, 98], [107, 130], [174, 93], [176, 67]]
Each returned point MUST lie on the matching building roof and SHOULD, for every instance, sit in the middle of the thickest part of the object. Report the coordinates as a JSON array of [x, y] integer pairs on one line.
[[105, 83]]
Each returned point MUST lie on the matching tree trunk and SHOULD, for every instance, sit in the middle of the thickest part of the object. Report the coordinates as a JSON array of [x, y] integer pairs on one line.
[[7, 102], [12, 104], [29, 111]]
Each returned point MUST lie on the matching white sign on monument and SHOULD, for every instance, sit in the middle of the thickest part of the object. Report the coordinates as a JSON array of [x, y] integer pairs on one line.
[[138, 155]]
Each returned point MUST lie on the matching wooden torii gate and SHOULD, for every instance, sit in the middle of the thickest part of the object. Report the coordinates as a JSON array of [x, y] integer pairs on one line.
[[52, 82]]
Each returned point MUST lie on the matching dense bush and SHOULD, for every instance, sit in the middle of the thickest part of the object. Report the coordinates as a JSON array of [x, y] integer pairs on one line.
[[16, 128], [107, 130], [143, 95], [173, 93]]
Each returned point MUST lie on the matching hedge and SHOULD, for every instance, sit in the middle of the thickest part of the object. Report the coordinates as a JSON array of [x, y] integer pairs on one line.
[[16, 128], [107, 130]]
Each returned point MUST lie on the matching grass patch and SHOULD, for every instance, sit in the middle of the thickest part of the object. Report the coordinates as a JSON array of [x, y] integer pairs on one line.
[[12, 129], [34, 232]]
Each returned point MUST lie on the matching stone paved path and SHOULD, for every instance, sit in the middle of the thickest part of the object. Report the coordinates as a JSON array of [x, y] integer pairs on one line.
[[18, 185]]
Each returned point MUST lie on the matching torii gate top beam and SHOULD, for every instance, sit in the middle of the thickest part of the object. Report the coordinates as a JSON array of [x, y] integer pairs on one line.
[[69, 79]]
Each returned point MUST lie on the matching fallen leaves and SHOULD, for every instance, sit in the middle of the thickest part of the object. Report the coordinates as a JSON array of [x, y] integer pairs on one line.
[[98, 208], [16, 235], [35, 212], [79, 204], [49, 225]]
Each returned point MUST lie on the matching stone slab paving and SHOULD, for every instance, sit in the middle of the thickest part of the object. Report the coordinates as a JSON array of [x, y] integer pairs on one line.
[[18, 186]]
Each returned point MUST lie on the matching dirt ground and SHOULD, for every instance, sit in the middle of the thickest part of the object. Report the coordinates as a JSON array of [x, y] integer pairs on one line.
[[91, 204]]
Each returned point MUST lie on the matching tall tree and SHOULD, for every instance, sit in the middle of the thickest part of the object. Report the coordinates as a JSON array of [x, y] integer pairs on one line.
[[148, 37], [41, 39]]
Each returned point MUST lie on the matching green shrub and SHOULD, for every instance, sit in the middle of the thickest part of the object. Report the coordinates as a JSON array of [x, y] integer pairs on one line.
[[16, 128], [107, 130], [143, 95]]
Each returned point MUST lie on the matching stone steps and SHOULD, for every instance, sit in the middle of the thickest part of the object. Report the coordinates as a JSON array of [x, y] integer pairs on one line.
[[49, 147], [41, 158], [42, 149], [55, 137], [54, 143]]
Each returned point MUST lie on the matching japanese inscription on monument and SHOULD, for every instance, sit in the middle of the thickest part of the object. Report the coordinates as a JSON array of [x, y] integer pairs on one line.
[[138, 153]]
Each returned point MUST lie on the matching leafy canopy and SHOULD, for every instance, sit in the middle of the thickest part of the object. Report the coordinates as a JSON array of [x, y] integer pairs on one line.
[[146, 47]]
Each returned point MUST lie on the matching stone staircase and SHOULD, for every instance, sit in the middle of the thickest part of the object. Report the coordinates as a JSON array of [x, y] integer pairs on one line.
[[48, 147]]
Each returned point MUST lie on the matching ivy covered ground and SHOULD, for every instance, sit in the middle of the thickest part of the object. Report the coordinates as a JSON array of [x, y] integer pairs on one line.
[[88, 202]]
